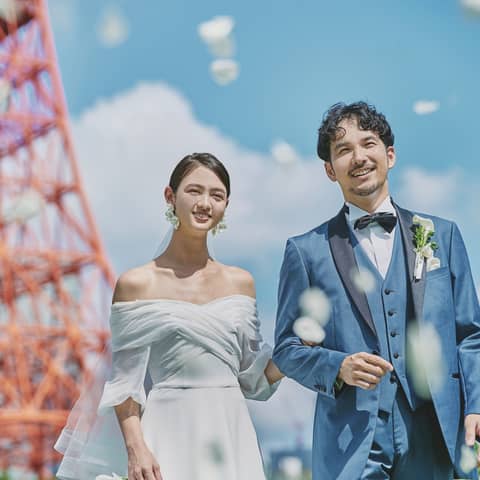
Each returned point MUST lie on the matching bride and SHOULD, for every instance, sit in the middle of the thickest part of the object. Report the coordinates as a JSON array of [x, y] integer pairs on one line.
[[191, 323]]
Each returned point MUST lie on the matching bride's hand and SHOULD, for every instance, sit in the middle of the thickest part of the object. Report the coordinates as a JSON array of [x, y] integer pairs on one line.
[[142, 465]]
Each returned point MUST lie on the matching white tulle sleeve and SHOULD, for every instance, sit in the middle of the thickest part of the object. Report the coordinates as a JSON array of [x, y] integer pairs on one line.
[[254, 359], [129, 368]]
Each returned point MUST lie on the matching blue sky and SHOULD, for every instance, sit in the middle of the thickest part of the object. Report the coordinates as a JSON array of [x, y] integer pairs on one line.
[[138, 107]]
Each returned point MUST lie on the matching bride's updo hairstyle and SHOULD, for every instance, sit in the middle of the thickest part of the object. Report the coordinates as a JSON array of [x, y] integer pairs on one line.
[[191, 162]]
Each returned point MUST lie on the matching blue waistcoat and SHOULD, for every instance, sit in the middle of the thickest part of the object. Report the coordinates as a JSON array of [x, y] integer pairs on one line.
[[390, 304]]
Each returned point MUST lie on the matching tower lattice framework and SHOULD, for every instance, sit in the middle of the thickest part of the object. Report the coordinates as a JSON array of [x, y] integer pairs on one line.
[[55, 279]]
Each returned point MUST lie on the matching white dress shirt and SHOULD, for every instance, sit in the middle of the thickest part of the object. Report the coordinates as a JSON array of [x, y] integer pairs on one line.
[[374, 239]]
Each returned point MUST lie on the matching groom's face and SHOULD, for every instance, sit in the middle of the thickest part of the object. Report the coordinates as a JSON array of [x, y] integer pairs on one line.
[[359, 162]]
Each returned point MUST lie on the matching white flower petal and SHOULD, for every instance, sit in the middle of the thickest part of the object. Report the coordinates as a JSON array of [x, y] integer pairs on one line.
[[283, 153], [113, 29], [425, 107], [216, 29], [471, 6], [27, 205], [427, 252], [291, 468], [224, 71], [10, 10], [224, 48], [468, 459], [363, 279], [426, 223], [424, 359], [308, 329], [315, 304], [5, 92]]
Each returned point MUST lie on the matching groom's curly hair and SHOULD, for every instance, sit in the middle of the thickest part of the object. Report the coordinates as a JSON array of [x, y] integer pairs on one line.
[[368, 119]]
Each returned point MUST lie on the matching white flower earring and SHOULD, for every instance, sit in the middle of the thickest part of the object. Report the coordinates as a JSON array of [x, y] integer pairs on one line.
[[171, 217], [220, 226]]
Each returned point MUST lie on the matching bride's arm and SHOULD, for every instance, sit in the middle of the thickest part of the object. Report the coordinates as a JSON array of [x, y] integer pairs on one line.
[[141, 463], [272, 373]]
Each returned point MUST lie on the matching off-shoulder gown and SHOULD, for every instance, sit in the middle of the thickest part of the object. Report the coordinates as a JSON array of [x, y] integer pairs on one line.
[[203, 361]]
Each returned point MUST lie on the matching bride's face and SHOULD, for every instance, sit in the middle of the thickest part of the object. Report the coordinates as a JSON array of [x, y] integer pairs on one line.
[[200, 200]]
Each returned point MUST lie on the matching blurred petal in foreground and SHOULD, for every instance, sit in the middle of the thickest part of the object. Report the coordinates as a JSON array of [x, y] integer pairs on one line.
[[315, 304], [308, 330], [224, 71], [425, 363], [363, 280], [113, 29], [471, 6], [216, 33], [283, 153], [425, 107]]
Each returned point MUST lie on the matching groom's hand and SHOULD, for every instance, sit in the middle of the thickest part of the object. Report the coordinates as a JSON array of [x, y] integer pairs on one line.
[[364, 370], [472, 431]]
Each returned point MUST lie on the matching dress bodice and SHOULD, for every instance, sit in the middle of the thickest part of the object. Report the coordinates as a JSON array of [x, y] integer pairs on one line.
[[186, 345]]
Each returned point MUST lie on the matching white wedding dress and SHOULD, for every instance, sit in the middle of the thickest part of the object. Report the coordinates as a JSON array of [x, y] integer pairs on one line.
[[202, 360]]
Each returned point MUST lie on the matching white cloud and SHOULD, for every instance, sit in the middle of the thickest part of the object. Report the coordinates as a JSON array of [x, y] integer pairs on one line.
[[127, 147], [425, 107], [426, 191]]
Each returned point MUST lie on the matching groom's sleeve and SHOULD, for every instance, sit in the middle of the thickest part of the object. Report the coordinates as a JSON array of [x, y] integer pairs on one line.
[[467, 320], [314, 367]]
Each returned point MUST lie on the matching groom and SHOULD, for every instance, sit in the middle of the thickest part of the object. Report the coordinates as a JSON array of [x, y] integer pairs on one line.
[[371, 421]]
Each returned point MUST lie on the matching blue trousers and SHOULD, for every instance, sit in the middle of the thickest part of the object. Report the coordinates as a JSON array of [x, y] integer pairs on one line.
[[408, 445]]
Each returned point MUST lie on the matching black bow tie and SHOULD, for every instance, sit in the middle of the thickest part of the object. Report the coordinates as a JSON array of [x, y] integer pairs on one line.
[[384, 219]]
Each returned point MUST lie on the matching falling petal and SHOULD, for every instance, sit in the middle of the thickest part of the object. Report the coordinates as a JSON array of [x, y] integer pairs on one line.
[[113, 29], [363, 279], [5, 91], [216, 29], [284, 153], [308, 329], [224, 71], [291, 468], [425, 107], [223, 48], [9, 10], [315, 304], [216, 33], [27, 205], [425, 362], [468, 459], [471, 6]]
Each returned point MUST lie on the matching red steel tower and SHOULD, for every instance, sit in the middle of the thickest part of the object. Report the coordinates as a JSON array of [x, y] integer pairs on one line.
[[55, 279]]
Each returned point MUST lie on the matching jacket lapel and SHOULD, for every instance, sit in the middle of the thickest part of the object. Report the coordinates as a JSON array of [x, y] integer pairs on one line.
[[344, 258], [405, 220]]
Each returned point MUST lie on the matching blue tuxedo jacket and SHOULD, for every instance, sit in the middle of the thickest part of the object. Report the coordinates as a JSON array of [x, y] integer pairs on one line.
[[446, 297]]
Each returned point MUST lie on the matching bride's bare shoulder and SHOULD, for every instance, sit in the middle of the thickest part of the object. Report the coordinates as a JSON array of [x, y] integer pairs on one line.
[[241, 280], [133, 283]]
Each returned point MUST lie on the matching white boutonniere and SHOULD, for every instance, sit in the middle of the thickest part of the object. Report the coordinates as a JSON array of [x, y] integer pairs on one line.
[[423, 230]]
